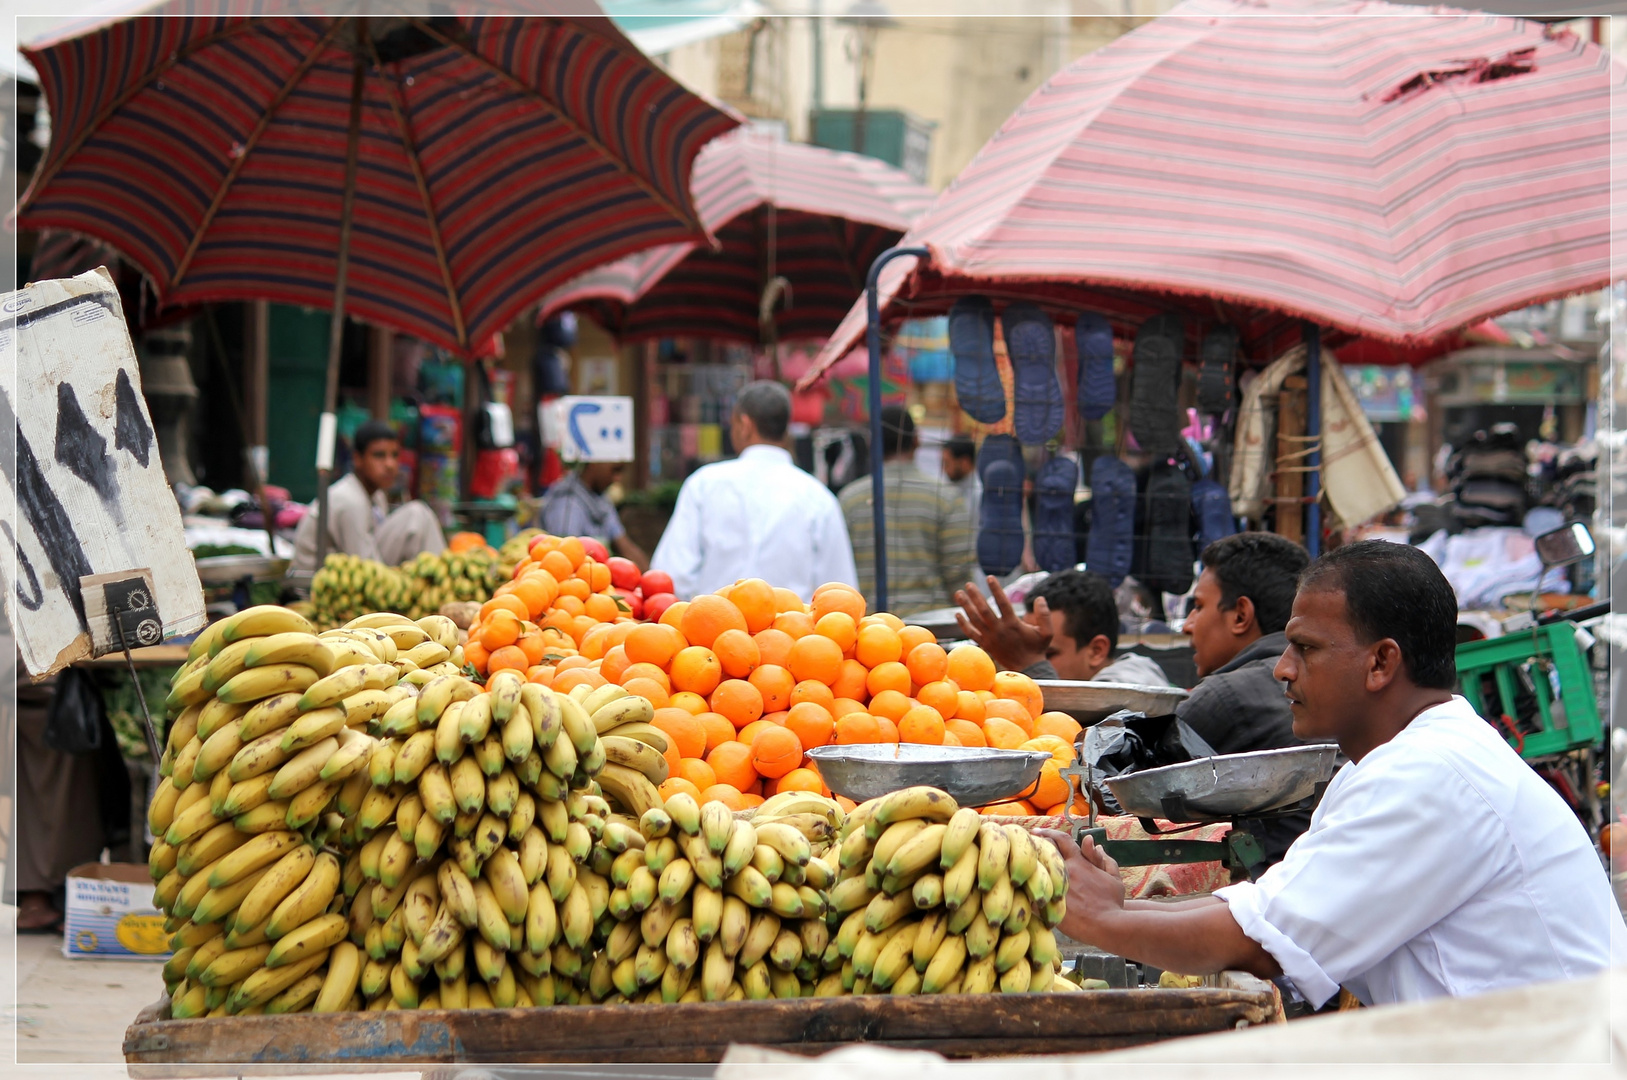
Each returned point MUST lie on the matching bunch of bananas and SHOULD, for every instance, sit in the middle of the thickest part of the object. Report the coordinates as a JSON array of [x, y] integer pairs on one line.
[[635, 749], [451, 577], [696, 891], [348, 586], [934, 899], [264, 760]]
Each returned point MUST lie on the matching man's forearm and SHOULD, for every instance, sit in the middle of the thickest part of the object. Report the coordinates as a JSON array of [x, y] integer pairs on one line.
[[1195, 939]]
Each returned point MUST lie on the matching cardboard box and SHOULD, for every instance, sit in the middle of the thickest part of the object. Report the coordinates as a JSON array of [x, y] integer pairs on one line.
[[111, 916]]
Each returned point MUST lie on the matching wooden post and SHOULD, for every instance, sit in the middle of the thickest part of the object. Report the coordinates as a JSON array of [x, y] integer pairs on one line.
[[380, 371], [643, 376], [256, 369], [1290, 445]]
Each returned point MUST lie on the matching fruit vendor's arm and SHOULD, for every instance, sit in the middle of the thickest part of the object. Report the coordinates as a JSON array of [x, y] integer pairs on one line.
[[1194, 938]]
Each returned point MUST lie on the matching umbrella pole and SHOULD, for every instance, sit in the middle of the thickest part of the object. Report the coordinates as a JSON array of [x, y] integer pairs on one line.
[[1312, 335], [328, 430], [873, 342]]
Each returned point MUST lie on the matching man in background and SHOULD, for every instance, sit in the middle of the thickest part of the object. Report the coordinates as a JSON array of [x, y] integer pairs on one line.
[[931, 545], [1071, 632], [757, 515], [960, 466], [576, 505], [360, 521]]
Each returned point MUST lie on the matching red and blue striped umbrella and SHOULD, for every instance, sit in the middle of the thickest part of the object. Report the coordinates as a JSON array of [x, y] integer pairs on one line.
[[815, 217], [496, 158], [1387, 172]]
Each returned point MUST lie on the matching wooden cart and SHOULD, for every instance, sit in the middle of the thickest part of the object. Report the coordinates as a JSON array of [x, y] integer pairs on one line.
[[961, 1026]]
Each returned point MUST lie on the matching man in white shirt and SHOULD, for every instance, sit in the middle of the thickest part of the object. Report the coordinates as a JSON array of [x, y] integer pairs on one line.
[[1438, 863], [757, 515]]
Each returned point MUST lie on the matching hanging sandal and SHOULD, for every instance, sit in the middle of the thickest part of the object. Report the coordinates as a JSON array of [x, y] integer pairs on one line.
[[1054, 488], [1217, 374], [1154, 378], [1093, 344], [1111, 545], [971, 342], [1000, 531], [1031, 344]]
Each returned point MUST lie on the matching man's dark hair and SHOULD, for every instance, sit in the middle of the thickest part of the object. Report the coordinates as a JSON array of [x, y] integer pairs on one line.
[[961, 446], [372, 431], [1396, 591], [1086, 603], [1261, 566], [769, 406], [897, 431]]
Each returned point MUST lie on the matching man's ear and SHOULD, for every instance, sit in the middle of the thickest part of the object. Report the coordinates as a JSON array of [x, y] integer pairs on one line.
[[1384, 665], [1100, 650], [1241, 618]]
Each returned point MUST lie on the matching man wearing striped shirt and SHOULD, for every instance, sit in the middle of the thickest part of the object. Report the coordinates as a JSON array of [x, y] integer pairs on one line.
[[931, 545]]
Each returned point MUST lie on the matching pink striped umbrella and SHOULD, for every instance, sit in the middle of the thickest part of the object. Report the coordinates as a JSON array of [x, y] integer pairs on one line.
[[1386, 172], [813, 216]]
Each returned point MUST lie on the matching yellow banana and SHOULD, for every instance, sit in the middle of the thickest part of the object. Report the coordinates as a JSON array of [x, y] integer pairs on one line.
[[927, 803], [648, 734], [315, 937], [448, 740], [312, 727], [303, 769], [267, 983], [960, 881], [578, 726], [263, 620], [517, 736], [997, 901], [292, 647], [631, 789], [1016, 979], [400, 719], [225, 665], [264, 818], [193, 821], [1024, 855], [262, 850], [792, 845], [440, 692], [427, 654], [895, 957], [414, 755], [257, 684], [296, 997], [333, 688], [161, 811], [503, 874], [994, 856], [492, 921], [204, 849], [542, 705], [310, 802], [185, 760], [233, 965], [187, 689], [435, 789], [504, 689], [260, 756], [468, 785], [215, 714], [268, 715], [216, 904], [636, 755], [919, 853], [351, 756], [368, 704], [308, 900], [631, 709]]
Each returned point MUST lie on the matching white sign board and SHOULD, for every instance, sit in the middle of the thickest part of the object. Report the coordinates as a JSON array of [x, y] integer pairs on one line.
[[83, 492], [588, 428]]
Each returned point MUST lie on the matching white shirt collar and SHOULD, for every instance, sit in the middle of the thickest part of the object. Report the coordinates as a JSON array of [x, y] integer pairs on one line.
[[764, 450]]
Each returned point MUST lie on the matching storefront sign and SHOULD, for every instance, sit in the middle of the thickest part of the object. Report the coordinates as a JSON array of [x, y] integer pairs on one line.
[[584, 428]]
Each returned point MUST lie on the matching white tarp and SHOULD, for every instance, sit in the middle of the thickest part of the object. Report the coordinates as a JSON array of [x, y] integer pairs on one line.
[[82, 492]]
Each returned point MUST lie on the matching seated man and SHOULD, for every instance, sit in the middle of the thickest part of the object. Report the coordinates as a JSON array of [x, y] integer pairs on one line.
[[360, 522], [1438, 864], [576, 505], [1071, 632]]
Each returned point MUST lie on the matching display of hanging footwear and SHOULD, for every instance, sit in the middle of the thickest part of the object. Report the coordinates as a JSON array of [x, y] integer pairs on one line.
[[971, 342]]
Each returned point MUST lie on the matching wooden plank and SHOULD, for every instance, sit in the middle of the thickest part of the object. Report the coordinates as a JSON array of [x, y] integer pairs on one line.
[[1291, 408], [958, 1026]]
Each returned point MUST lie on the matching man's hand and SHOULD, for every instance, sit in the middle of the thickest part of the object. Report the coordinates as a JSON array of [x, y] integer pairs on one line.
[[1095, 890], [1013, 642]]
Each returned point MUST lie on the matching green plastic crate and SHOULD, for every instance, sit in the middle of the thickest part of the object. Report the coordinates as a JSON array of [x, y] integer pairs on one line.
[[1488, 677]]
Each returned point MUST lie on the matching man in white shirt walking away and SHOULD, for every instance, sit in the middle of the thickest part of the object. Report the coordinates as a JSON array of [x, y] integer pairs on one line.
[[1438, 863], [757, 515]]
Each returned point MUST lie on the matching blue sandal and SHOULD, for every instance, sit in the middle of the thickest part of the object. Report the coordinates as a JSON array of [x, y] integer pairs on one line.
[[1054, 547], [1000, 530], [1093, 344], [1031, 344], [971, 342]]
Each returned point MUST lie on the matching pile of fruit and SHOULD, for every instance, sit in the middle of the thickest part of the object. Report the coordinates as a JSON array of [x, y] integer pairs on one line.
[[347, 587]]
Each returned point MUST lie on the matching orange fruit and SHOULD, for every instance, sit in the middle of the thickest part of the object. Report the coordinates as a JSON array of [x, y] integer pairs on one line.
[[689, 701], [731, 761], [674, 615], [816, 692], [601, 578], [1061, 752], [737, 652], [727, 794], [970, 667], [815, 657], [927, 662], [682, 730], [509, 656], [1020, 808], [672, 785], [970, 707], [835, 597], [475, 653], [786, 600], [596, 642], [537, 591], [776, 717], [1015, 686], [857, 727], [812, 723], [602, 606], [571, 662], [708, 616], [697, 772], [800, 779], [851, 683], [967, 732], [775, 751], [565, 681], [570, 604], [950, 738], [580, 627], [847, 804], [942, 695], [921, 725], [794, 623], [840, 628], [1052, 788], [1059, 724], [533, 646], [891, 704], [696, 669], [773, 646], [718, 729], [1003, 734], [557, 565], [1010, 710], [508, 602], [653, 643], [889, 676], [883, 618], [888, 730], [649, 689], [615, 664], [755, 599], [738, 700], [775, 684], [541, 674], [647, 671], [878, 644], [501, 627], [571, 547], [575, 588], [911, 636], [749, 732]]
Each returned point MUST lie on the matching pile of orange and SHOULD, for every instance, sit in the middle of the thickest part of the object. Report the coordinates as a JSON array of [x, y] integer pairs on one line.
[[551, 618]]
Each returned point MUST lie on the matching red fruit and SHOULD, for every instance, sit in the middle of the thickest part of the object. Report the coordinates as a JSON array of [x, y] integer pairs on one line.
[[655, 606], [632, 600], [596, 551], [624, 573], [656, 582]]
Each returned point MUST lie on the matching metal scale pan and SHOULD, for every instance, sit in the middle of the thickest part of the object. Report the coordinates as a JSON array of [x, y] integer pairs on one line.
[[1088, 702], [1228, 786]]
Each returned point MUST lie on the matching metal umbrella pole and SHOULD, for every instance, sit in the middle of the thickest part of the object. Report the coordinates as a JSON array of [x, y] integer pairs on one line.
[[1312, 335], [873, 342], [328, 429]]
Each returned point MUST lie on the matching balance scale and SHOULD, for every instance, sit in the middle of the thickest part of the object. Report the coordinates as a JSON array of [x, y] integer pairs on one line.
[[1244, 789]]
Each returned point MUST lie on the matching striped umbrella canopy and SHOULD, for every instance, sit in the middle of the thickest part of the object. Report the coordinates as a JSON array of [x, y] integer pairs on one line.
[[462, 165], [1387, 172], [811, 216]]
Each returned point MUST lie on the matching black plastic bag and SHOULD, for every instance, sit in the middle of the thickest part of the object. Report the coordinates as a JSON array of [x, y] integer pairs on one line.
[[1127, 742], [76, 718]]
